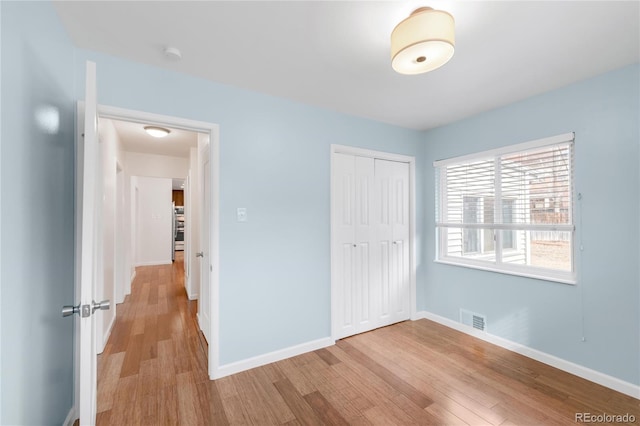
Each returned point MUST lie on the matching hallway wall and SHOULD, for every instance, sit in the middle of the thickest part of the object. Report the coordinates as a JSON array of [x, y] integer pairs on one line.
[[153, 165], [155, 218]]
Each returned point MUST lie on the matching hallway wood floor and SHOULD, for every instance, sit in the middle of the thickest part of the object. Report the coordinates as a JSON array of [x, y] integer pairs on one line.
[[153, 372]]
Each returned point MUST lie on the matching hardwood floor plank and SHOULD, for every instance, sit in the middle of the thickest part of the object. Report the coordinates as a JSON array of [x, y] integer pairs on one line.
[[255, 405], [131, 364], [167, 406], [325, 411], [235, 410], [226, 387], [299, 380], [446, 417], [149, 349], [109, 367], [190, 412], [302, 411], [102, 418], [125, 405], [148, 377], [119, 338], [166, 366], [272, 396], [378, 416], [327, 356], [211, 402]]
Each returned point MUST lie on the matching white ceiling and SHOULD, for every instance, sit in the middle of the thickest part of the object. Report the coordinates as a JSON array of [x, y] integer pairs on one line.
[[335, 54], [133, 137]]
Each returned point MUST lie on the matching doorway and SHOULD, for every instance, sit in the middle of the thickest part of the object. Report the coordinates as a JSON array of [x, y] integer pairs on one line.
[[209, 133]]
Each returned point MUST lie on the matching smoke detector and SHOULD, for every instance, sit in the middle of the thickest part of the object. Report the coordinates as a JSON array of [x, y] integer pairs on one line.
[[172, 53]]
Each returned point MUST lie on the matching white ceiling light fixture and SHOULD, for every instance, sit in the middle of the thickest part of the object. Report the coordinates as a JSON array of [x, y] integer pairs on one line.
[[422, 42], [157, 132]]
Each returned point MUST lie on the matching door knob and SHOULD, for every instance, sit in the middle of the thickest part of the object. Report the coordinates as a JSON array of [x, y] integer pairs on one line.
[[85, 310], [103, 306], [69, 310], [200, 254]]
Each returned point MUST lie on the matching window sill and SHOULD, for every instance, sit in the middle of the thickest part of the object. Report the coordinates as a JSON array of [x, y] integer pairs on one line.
[[561, 278]]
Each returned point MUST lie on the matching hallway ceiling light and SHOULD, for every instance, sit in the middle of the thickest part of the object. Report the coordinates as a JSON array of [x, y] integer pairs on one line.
[[422, 42], [157, 132]]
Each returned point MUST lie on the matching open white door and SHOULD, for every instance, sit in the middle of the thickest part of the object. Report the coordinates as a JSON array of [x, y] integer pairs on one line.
[[90, 219], [204, 302]]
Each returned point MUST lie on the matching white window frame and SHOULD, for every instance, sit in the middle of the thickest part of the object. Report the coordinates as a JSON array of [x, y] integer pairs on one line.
[[566, 277]]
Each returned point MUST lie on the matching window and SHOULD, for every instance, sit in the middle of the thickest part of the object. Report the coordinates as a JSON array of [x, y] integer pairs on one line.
[[509, 210]]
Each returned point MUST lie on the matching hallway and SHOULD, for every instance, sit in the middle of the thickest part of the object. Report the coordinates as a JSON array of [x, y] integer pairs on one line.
[[154, 367]]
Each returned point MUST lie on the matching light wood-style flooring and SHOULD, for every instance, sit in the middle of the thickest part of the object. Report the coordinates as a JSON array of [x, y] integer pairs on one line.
[[153, 372]]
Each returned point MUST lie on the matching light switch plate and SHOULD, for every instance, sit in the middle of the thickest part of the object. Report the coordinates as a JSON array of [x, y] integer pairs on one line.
[[242, 214]]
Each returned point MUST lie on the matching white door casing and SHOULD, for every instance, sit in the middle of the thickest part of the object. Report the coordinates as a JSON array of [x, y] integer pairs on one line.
[[210, 132], [187, 233], [372, 222], [120, 247]]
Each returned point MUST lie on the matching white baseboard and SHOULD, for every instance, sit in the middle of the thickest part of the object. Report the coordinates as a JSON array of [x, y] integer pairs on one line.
[[203, 323], [559, 363], [193, 296], [279, 355], [105, 337], [71, 417], [155, 262], [133, 275]]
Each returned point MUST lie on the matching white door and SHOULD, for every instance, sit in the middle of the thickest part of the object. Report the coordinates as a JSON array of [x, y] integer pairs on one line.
[[392, 224], [370, 253], [89, 180], [354, 255], [343, 188], [204, 302]]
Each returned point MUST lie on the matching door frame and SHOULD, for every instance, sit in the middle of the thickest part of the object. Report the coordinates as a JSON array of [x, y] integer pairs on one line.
[[119, 241], [364, 152], [213, 131]]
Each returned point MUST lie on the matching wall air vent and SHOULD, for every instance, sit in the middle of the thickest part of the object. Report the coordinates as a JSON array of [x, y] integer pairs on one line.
[[477, 321]]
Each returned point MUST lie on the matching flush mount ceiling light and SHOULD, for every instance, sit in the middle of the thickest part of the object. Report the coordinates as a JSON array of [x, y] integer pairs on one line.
[[422, 42], [157, 132]]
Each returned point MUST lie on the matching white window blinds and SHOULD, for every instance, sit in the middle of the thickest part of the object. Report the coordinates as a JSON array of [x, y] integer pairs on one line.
[[510, 208]]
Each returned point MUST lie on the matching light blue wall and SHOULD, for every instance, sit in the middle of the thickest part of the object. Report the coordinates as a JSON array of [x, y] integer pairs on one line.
[[275, 161], [604, 114], [37, 171]]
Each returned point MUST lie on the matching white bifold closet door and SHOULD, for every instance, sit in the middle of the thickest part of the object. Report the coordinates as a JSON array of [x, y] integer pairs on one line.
[[371, 243]]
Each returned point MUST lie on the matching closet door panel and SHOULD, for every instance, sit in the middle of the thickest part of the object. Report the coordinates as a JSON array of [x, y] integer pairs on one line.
[[392, 187], [343, 222], [364, 228]]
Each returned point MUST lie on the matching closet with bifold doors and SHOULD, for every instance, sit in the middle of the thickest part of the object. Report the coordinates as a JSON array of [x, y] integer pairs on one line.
[[370, 245]]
